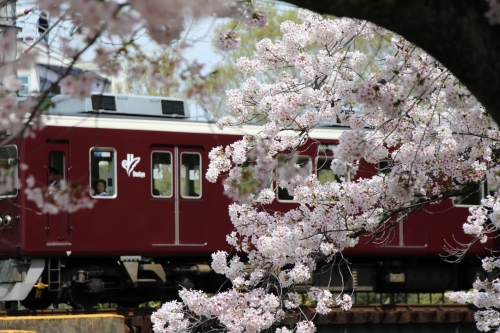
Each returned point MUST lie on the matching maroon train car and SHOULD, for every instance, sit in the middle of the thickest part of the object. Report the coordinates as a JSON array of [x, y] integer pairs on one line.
[[159, 220]]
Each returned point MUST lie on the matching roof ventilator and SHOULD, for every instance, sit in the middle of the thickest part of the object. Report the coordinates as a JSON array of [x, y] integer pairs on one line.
[[101, 102]]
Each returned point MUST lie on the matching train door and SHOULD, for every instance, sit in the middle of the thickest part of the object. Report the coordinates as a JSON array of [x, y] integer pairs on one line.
[[162, 205], [178, 204], [192, 203], [57, 169]]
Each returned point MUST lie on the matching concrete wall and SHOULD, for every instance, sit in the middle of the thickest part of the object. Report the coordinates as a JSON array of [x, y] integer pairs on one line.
[[105, 323]]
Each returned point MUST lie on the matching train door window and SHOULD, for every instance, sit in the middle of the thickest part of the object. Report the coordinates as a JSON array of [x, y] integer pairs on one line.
[[8, 171], [190, 175], [103, 172], [305, 165], [161, 164]]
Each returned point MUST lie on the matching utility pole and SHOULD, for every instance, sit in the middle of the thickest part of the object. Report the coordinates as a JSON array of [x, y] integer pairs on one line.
[[8, 28]]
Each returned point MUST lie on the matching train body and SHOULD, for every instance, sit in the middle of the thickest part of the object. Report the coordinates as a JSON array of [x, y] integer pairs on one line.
[[159, 219]]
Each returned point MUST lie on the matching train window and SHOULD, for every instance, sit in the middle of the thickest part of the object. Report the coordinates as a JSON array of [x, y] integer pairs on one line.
[[493, 186], [190, 175], [304, 163], [161, 164], [324, 172], [103, 172], [385, 167], [8, 166], [248, 183], [473, 199]]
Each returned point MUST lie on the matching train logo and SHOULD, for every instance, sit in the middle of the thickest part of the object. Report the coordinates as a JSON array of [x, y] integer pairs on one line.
[[130, 163]]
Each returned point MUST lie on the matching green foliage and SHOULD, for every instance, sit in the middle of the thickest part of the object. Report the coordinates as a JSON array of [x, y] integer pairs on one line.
[[248, 184], [399, 298]]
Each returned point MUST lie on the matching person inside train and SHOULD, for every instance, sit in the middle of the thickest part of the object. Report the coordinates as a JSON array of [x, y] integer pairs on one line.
[[101, 188], [54, 177]]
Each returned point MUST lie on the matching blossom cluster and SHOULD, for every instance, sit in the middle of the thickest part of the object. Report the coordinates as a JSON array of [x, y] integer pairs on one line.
[[251, 311], [66, 197], [493, 13], [227, 41], [250, 16], [484, 296]]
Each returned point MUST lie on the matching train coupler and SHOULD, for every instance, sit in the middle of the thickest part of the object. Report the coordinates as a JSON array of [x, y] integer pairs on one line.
[[39, 288]]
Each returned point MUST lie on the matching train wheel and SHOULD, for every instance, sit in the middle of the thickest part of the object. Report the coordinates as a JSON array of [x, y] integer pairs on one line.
[[79, 298], [8, 305], [169, 295], [31, 302], [129, 304]]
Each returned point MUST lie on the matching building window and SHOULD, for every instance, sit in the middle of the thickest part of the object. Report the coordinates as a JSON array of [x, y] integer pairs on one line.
[[190, 175], [161, 174], [25, 80], [103, 172]]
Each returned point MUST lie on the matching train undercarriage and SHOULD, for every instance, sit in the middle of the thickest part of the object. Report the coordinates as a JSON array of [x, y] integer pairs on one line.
[[127, 281], [131, 280]]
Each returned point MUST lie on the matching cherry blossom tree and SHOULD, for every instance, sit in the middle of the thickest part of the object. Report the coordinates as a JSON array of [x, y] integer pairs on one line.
[[415, 112], [440, 139]]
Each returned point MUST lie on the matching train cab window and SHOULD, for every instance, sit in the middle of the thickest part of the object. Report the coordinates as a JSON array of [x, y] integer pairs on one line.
[[304, 163], [161, 163], [56, 167], [190, 175], [9, 171], [103, 172]]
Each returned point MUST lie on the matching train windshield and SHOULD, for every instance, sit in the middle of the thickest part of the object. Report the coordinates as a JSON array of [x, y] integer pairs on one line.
[[8, 171]]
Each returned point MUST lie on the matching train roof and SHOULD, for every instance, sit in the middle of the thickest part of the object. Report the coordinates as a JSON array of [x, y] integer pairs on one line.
[[149, 113]]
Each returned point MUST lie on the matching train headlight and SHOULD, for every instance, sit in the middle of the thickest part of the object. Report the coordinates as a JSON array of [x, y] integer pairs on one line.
[[7, 220], [1, 222]]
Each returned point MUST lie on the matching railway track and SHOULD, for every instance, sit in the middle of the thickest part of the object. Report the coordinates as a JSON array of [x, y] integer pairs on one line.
[[138, 319]]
